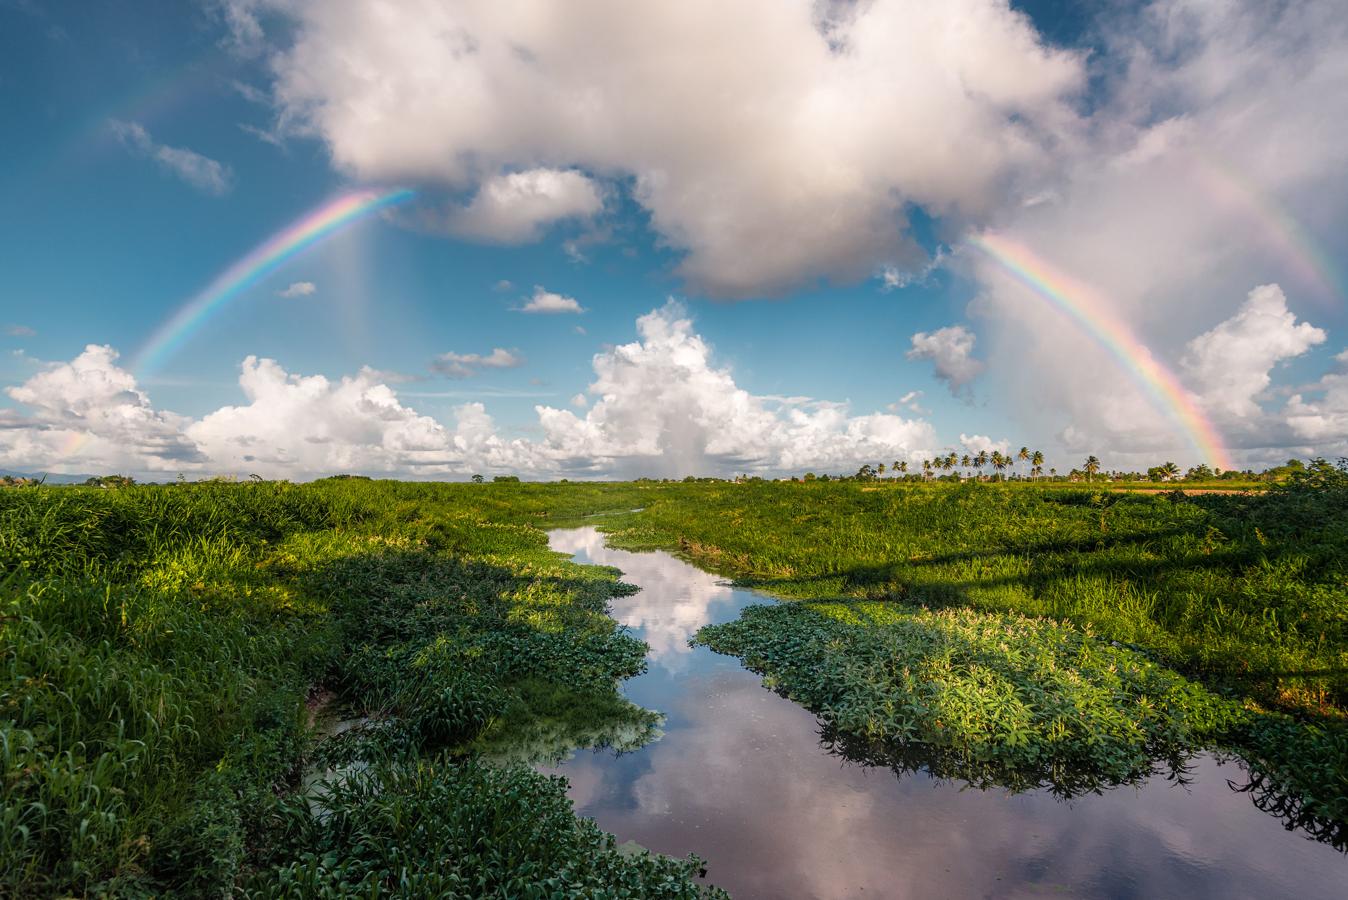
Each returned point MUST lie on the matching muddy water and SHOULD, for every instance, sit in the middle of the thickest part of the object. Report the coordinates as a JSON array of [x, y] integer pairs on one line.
[[740, 778]]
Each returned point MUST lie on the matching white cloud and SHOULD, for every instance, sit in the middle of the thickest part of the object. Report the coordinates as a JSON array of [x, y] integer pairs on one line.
[[91, 406], [465, 365], [893, 278], [1229, 366], [663, 408], [975, 443], [660, 407], [518, 207], [21, 331], [769, 144], [580, 401], [1323, 419], [951, 351], [306, 425], [503, 285], [202, 172], [911, 401], [544, 301], [298, 289]]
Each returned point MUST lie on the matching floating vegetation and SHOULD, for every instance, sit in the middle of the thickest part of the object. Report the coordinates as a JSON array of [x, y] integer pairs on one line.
[[992, 699]]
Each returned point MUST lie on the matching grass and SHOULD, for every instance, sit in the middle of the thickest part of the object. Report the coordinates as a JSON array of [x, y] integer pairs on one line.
[[169, 655], [1021, 636], [160, 645]]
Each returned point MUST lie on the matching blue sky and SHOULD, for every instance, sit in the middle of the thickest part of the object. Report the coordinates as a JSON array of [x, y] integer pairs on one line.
[[103, 241]]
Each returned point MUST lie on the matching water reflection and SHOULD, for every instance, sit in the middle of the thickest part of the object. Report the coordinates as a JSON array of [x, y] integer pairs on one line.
[[675, 600], [741, 778]]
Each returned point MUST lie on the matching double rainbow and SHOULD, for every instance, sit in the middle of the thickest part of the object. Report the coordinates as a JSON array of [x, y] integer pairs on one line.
[[260, 262], [1081, 305]]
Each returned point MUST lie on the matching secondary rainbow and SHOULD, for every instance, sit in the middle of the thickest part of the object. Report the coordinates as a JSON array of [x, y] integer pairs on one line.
[[1087, 311], [1281, 232], [265, 258]]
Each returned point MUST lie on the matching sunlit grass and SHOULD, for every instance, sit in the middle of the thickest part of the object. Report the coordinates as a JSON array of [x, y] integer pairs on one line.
[[158, 646]]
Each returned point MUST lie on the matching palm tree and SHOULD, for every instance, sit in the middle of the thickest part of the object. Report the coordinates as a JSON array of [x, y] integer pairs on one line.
[[901, 466], [1037, 460], [1024, 454], [880, 470], [980, 461], [926, 469], [964, 461], [1169, 471], [1091, 467], [1000, 462]]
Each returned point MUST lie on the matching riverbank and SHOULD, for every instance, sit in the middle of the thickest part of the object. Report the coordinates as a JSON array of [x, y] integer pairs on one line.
[[159, 646]]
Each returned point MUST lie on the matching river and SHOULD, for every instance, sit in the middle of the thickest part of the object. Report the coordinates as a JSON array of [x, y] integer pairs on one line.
[[741, 779]]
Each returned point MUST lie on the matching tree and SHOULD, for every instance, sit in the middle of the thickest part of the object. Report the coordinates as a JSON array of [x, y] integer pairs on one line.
[[926, 469], [1199, 472], [880, 470], [1091, 466], [1037, 461], [1000, 462], [1024, 454], [477, 479], [980, 461], [901, 466]]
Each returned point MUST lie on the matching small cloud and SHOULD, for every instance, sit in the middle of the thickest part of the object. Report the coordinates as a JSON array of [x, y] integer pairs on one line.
[[503, 285], [466, 365], [545, 301], [580, 401], [951, 351], [202, 172], [265, 135], [892, 277], [20, 331], [577, 248], [580, 329], [298, 289], [909, 402], [250, 93]]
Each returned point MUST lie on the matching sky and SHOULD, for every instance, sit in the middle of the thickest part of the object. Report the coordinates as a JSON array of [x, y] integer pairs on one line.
[[428, 239]]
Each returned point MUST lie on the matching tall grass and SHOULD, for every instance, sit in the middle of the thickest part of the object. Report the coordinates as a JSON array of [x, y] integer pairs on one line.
[[160, 646]]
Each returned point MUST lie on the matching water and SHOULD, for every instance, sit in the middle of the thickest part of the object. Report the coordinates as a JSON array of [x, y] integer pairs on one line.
[[740, 779]]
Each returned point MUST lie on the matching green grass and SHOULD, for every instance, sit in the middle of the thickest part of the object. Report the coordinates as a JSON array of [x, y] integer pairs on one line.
[[1018, 635], [159, 646], [165, 653]]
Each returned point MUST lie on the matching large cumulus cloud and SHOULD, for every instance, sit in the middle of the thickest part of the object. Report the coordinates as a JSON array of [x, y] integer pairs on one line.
[[661, 407], [772, 142]]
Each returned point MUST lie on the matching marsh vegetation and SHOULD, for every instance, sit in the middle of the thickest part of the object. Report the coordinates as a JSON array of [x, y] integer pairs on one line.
[[173, 656]]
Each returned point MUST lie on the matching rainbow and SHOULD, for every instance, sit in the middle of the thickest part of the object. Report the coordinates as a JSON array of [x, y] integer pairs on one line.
[[1281, 232], [1091, 314], [261, 261]]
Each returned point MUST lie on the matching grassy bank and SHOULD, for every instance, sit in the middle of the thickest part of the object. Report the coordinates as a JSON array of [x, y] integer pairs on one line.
[[1022, 636], [167, 650], [317, 690]]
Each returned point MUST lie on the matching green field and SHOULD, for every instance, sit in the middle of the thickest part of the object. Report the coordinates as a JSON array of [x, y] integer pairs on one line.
[[177, 659]]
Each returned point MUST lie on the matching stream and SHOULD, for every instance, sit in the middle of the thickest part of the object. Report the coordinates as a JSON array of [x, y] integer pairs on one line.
[[741, 779]]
